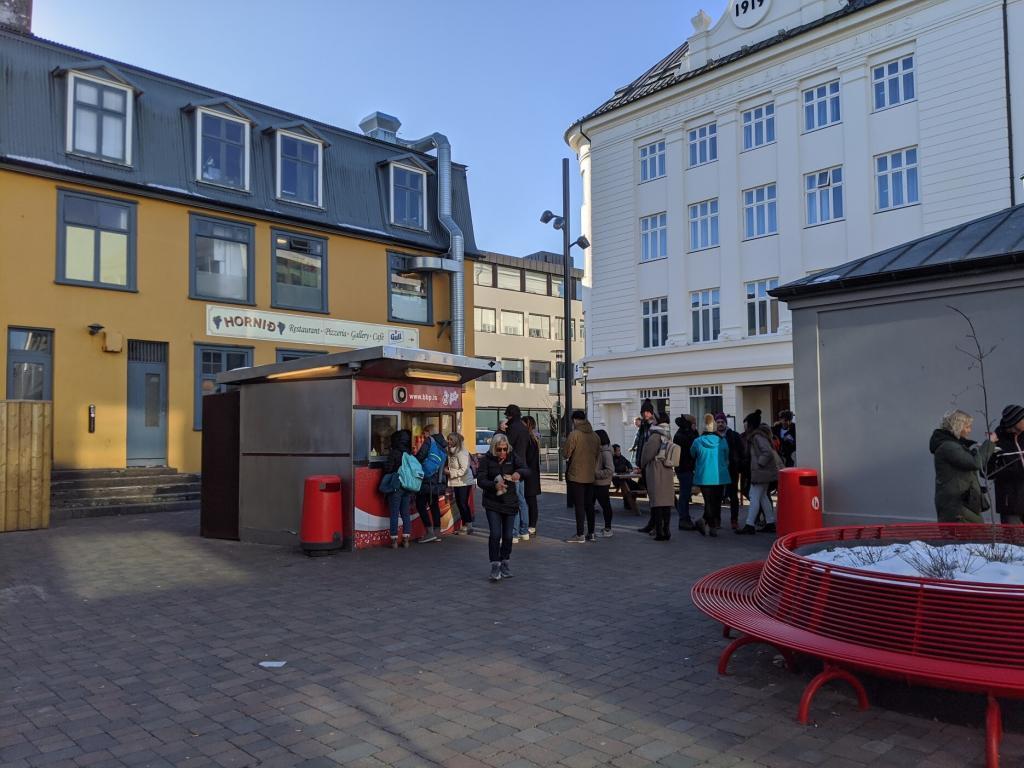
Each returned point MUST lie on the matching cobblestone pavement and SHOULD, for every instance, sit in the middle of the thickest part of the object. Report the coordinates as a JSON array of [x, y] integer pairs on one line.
[[133, 642]]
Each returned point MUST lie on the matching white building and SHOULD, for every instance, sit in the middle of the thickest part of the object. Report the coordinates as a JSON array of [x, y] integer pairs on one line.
[[518, 320], [785, 138]]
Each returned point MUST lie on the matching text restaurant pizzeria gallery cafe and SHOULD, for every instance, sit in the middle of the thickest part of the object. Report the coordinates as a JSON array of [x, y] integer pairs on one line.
[[159, 233]]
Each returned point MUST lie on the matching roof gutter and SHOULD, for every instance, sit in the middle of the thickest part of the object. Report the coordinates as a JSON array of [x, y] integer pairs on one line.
[[457, 247]]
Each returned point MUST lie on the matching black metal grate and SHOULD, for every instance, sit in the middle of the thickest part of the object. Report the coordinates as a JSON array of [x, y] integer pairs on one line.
[[147, 351]]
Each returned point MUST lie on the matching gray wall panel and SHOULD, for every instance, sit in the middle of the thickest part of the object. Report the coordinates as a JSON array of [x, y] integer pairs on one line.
[[297, 417]]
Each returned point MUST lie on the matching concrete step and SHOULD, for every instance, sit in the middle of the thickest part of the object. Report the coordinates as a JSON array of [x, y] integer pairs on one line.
[[111, 483], [98, 496], [60, 475], [70, 513]]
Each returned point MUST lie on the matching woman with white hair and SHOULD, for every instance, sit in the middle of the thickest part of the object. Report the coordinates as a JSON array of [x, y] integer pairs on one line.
[[500, 469], [958, 460]]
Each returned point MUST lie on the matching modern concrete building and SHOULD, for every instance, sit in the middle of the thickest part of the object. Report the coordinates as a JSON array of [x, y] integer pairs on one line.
[[877, 354], [157, 233], [782, 138], [518, 319]]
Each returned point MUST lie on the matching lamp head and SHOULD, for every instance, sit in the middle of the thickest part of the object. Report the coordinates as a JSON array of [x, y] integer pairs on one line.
[[558, 223], [546, 217], [94, 328], [582, 242]]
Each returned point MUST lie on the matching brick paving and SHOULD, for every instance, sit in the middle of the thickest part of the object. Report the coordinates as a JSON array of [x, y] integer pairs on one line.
[[133, 642]]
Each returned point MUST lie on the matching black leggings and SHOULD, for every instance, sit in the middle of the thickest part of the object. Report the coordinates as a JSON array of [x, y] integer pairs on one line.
[[582, 496], [425, 504], [531, 506], [712, 504], [462, 501], [601, 497]]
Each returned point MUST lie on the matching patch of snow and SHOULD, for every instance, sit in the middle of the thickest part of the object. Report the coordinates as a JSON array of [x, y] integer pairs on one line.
[[176, 190], [975, 562], [40, 161], [825, 279], [362, 229]]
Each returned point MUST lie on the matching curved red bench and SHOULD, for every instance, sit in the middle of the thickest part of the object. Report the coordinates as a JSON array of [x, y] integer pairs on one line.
[[920, 630]]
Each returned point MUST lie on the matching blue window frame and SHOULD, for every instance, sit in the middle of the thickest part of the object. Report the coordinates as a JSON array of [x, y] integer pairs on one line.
[[29, 364], [221, 260], [212, 359], [299, 279], [95, 241]]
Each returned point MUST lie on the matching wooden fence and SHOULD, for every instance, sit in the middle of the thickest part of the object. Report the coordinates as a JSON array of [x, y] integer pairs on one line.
[[26, 457]]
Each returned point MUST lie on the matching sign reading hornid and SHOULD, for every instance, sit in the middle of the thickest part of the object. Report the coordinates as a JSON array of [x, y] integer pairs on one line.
[[239, 323], [747, 13]]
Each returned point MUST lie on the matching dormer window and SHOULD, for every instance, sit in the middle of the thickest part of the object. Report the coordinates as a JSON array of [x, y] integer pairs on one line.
[[299, 168], [99, 118], [223, 149], [408, 197]]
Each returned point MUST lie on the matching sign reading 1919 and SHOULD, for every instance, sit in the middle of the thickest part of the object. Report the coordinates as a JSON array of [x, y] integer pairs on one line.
[[747, 13]]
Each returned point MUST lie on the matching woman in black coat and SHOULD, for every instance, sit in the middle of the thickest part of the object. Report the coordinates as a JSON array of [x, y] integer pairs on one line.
[[398, 499], [499, 469], [532, 481]]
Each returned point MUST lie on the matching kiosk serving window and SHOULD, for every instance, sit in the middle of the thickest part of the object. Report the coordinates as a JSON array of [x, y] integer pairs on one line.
[[382, 426]]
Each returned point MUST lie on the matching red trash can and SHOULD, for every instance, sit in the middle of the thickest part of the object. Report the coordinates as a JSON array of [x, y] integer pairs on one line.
[[799, 501], [321, 531]]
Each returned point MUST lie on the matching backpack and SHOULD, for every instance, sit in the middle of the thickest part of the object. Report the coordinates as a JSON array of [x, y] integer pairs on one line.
[[435, 461], [410, 474], [670, 454]]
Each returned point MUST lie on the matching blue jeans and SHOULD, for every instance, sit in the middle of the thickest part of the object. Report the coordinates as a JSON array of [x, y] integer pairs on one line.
[[499, 543], [398, 504], [685, 489], [521, 522]]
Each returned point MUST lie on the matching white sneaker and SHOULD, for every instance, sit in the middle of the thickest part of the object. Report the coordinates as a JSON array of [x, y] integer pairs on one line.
[[515, 539], [532, 531], [524, 536], [605, 533]]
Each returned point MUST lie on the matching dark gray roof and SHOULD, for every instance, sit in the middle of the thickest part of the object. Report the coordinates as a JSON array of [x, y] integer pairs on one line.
[[992, 242], [539, 261], [665, 73], [32, 135]]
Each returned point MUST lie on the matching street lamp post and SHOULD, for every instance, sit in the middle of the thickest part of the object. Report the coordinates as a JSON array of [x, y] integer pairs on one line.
[[562, 223], [558, 415]]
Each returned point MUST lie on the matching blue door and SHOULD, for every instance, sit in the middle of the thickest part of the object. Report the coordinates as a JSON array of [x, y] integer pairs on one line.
[[147, 404]]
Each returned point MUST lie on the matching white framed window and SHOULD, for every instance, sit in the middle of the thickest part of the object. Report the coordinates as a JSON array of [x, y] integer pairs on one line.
[[705, 398], [759, 213], [893, 82], [484, 320], [559, 329], [652, 161], [654, 237], [655, 322], [759, 126], [705, 315], [510, 278], [540, 326], [222, 149], [659, 399], [408, 197], [762, 309], [483, 274], [557, 286], [704, 225], [99, 118], [511, 323], [300, 177], [824, 193], [821, 106], [703, 143], [896, 179], [535, 282]]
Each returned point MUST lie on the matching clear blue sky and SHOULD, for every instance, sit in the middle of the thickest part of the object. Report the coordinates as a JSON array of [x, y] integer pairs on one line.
[[513, 76]]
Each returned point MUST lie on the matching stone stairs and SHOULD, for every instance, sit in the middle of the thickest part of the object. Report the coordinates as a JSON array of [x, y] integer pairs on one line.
[[136, 490]]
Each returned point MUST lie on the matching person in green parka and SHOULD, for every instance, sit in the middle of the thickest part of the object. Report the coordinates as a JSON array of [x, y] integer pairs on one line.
[[958, 460]]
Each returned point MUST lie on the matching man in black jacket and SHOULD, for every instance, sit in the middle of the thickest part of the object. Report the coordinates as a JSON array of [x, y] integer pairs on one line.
[[519, 441], [684, 437], [785, 431], [735, 443]]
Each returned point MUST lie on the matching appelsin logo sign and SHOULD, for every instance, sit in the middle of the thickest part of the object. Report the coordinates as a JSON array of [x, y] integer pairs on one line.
[[232, 322]]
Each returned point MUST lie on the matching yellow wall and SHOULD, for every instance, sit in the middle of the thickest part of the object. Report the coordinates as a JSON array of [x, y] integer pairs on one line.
[[160, 311]]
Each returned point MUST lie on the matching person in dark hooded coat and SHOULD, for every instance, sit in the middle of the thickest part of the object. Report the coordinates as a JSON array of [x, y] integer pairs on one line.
[[958, 460], [398, 499], [1007, 467]]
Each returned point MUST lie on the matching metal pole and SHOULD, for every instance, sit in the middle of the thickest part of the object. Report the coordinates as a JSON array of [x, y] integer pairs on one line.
[[567, 295], [558, 428]]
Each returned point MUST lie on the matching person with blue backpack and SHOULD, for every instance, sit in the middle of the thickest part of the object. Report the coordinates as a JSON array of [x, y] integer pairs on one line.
[[433, 457], [399, 484]]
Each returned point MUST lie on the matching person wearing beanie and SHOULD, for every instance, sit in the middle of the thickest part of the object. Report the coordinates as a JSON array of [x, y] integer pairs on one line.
[[655, 465], [684, 437], [736, 454], [785, 431], [1007, 466], [519, 441], [647, 420], [711, 472]]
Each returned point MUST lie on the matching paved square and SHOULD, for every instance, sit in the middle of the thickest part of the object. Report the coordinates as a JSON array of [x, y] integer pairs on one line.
[[133, 642]]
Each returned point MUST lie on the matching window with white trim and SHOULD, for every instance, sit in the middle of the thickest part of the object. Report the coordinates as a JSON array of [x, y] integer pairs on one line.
[[762, 309], [704, 224], [703, 143], [222, 144], [299, 169], [99, 119], [483, 274], [821, 106], [652, 161], [759, 126], [557, 286], [535, 282], [540, 326], [654, 237], [824, 195], [893, 82], [511, 323], [705, 315], [759, 213], [659, 399], [896, 179], [510, 278], [705, 398], [408, 197], [484, 320], [655, 322], [559, 329]]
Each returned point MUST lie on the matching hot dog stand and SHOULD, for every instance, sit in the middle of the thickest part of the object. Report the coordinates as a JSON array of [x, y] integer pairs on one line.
[[328, 414]]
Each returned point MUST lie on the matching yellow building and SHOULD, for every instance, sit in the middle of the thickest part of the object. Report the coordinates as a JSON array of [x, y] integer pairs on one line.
[[156, 233]]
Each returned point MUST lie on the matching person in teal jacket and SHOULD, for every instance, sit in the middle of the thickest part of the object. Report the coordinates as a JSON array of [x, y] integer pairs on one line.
[[711, 473]]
